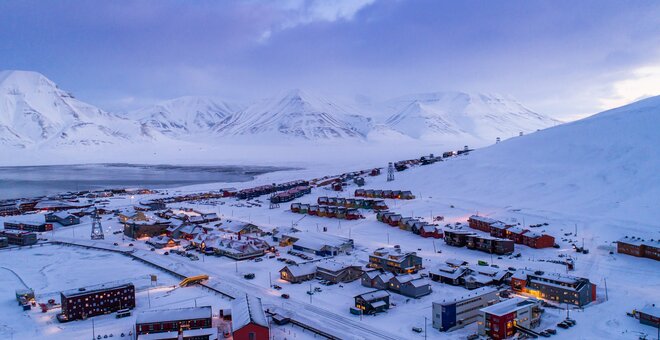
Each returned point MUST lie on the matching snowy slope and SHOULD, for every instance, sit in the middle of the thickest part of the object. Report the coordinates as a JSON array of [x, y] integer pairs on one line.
[[442, 115], [297, 114], [34, 111], [606, 164], [185, 115]]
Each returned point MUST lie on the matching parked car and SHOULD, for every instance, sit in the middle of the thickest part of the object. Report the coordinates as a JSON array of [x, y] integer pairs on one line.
[[277, 287], [248, 276], [258, 259], [130, 244], [551, 331], [285, 296], [166, 253], [417, 329], [562, 325]]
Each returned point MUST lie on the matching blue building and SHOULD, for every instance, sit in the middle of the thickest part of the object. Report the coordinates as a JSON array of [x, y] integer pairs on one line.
[[453, 313]]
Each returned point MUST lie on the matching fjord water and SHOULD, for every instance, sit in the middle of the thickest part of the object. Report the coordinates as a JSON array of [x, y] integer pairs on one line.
[[32, 181]]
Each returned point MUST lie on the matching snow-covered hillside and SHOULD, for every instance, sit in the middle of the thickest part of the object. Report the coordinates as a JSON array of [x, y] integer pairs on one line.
[[606, 164], [34, 111], [444, 115], [185, 115], [297, 114]]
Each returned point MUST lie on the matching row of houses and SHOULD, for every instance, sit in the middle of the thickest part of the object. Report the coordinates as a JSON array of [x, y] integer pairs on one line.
[[354, 203], [556, 287], [291, 194], [459, 273], [326, 211], [639, 247], [316, 243], [488, 244], [407, 285], [269, 189], [392, 194], [411, 224], [332, 271], [517, 234], [19, 237], [227, 192], [35, 226], [188, 215]]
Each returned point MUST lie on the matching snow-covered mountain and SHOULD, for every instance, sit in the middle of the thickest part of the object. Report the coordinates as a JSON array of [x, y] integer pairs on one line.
[[34, 111], [442, 115], [186, 115], [297, 114]]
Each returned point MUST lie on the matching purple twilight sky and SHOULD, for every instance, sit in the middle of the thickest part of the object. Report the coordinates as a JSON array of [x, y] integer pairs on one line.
[[562, 58]]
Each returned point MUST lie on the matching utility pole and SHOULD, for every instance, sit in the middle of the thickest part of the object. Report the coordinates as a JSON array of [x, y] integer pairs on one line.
[[149, 298], [424, 328], [310, 293], [270, 281], [576, 229], [605, 280], [93, 330]]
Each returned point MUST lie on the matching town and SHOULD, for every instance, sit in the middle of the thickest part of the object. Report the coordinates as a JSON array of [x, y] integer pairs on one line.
[[351, 252]]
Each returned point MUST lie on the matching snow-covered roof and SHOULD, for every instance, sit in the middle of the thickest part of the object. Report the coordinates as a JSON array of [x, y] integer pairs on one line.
[[94, 288], [419, 283], [508, 306], [332, 266], [378, 294], [162, 315], [517, 229], [455, 262], [379, 303], [302, 269], [246, 309], [472, 294], [159, 336], [652, 310], [638, 241], [211, 332], [483, 219]]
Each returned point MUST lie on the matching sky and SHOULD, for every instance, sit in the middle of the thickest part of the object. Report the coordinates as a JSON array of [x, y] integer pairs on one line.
[[566, 59]]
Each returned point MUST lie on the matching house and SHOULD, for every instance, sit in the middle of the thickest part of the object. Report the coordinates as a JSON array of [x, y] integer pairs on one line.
[[536, 240], [639, 247], [19, 237], [173, 321], [427, 230], [239, 227], [649, 315], [490, 244], [445, 273], [480, 276], [150, 205], [316, 243], [63, 218], [373, 302], [86, 302], [298, 273], [515, 234], [410, 286], [394, 260], [462, 310], [502, 320], [457, 238], [556, 287], [238, 248], [138, 228], [338, 272], [498, 229], [248, 320], [35, 226], [160, 242], [376, 279], [480, 223]]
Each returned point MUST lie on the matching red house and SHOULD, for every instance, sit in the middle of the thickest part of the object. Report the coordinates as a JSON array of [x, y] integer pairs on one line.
[[536, 240], [248, 319], [515, 234], [481, 223], [498, 229], [427, 231], [173, 320]]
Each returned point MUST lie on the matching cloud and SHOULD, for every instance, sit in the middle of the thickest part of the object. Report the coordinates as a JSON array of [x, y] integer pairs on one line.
[[296, 13], [643, 82]]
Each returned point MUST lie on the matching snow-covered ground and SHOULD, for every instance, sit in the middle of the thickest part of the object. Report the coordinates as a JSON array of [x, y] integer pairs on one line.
[[598, 176]]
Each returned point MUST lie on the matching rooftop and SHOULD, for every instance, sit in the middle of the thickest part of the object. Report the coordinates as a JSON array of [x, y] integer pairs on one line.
[[246, 309], [509, 306]]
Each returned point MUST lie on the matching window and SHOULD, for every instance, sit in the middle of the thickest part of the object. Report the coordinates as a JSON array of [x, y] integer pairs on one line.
[[252, 336]]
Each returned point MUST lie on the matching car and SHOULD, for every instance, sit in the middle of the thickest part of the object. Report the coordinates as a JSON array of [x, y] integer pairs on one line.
[[153, 249], [116, 243], [317, 289], [544, 334], [571, 322], [258, 259], [277, 287], [271, 256], [551, 331], [309, 292], [130, 244], [562, 325], [248, 276], [281, 259], [166, 253], [417, 329], [285, 296]]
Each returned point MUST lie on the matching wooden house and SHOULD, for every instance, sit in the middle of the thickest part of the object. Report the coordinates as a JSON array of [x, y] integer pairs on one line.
[[536, 240], [498, 229], [373, 302], [359, 193], [427, 230], [515, 234], [457, 238], [338, 272], [248, 320], [298, 273]]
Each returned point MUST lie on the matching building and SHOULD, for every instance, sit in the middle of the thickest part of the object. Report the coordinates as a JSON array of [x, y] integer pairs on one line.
[[248, 320], [63, 218], [498, 229], [453, 313], [298, 273], [516, 233], [502, 320], [173, 321], [142, 225], [448, 274], [536, 240], [19, 237], [320, 244], [410, 286], [639, 247], [555, 287], [151, 205], [160, 242], [480, 276], [36, 226], [338, 272], [394, 260], [239, 227], [96, 300], [373, 302], [457, 238], [650, 315], [376, 279], [489, 244], [481, 223]]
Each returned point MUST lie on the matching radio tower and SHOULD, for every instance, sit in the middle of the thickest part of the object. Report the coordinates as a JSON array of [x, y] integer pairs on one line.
[[97, 229], [390, 172]]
